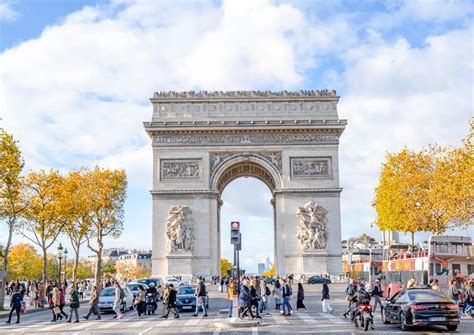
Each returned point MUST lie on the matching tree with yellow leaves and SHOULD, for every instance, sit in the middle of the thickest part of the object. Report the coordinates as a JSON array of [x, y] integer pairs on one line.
[[225, 265], [43, 217], [75, 204], [24, 261], [11, 164], [270, 273], [107, 193], [430, 190]]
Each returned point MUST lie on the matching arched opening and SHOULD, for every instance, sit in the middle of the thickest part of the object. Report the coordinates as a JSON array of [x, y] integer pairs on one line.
[[249, 201], [246, 189]]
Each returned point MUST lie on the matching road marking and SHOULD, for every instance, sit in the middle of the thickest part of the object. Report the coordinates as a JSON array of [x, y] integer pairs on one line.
[[166, 323], [193, 322], [280, 319], [254, 330], [333, 318], [109, 324], [55, 326], [306, 318], [145, 331]]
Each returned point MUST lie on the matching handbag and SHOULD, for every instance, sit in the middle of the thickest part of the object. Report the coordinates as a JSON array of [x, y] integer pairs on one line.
[[199, 300], [56, 310]]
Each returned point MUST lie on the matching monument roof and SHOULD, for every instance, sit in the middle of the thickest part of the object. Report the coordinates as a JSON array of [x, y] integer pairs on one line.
[[245, 95]]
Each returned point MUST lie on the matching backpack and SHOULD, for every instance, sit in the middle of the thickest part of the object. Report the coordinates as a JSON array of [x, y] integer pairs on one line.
[[267, 291], [122, 293]]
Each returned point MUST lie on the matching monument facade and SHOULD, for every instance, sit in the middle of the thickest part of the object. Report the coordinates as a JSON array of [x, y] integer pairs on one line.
[[202, 141]]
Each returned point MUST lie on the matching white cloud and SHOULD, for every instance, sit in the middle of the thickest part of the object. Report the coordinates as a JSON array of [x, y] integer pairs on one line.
[[7, 12]]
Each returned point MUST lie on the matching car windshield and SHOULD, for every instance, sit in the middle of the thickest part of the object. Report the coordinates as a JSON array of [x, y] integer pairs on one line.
[[426, 296], [133, 287], [108, 292], [186, 290]]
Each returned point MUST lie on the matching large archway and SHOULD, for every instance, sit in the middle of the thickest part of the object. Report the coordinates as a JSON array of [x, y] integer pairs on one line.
[[202, 141]]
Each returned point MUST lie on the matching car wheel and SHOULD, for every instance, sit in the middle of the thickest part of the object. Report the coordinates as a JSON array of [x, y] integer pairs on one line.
[[384, 317], [452, 328], [403, 323]]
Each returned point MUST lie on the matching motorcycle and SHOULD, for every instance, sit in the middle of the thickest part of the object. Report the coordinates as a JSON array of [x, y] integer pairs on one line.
[[150, 303], [363, 316]]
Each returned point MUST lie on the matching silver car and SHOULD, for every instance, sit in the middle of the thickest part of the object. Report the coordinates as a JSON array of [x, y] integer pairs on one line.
[[107, 298]]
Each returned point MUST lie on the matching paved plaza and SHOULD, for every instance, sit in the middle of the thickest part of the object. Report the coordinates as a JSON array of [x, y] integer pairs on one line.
[[312, 321]]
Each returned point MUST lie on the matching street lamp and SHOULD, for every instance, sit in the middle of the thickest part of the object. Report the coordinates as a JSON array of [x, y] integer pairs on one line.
[[60, 257], [65, 267]]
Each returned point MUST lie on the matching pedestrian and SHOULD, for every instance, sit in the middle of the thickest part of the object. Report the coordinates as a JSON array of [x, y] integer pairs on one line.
[[453, 292], [255, 296], [119, 294], [62, 302], [411, 282], [376, 294], [74, 304], [172, 302], [287, 293], [278, 294], [244, 300], [140, 301], [264, 296], [15, 305], [300, 297], [42, 294], [164, 308], [435, 284], [33, 294], [93, 301], [230, 296], [55, 303], [201, 297], [325, 299], [469, 295]]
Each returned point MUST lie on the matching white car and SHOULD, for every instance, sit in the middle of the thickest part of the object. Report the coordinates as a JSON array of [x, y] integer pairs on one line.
[[107, 297], [175, 282]]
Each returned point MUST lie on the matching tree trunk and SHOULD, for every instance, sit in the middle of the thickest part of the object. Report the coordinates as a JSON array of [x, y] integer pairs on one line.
[[98, 264], [74, 270], [412, 238], [6, 251], [45, 261]]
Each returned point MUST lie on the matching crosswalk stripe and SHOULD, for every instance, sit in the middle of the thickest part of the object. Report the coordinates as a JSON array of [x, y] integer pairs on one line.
[[51, 327], [193, 322], [166, 323], [279, 319], [333, 318], [106, 325], [306, 318]]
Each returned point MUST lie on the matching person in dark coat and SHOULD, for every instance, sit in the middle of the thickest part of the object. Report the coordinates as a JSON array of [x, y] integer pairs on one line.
[[15, 304], [244, 300], [300, 297], [172, 302], [325, 299]]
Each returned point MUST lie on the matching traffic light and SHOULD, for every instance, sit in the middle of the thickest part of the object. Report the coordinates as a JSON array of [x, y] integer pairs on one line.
[[235, 232]]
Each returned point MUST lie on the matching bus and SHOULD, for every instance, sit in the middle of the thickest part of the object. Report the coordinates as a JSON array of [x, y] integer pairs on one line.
[[363, 264], [445, 257]]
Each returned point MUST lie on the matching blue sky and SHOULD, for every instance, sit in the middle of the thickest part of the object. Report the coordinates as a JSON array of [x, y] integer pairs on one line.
[[76, 77]]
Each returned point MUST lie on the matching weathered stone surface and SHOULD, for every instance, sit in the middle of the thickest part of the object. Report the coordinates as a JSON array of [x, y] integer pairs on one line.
[[204, 140]]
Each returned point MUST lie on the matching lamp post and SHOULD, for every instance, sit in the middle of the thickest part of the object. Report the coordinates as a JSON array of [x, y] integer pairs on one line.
[[60, 257], [65, 268]]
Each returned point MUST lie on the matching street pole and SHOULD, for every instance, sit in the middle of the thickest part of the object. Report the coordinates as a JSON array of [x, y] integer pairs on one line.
[[59, 274], [65, 269]]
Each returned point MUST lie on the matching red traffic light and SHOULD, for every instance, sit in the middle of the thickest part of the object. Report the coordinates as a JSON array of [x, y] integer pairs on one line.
[[235, 226]]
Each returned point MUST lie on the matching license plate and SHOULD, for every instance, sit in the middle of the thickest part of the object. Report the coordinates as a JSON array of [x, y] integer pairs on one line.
[[439, 318], [187, 307]]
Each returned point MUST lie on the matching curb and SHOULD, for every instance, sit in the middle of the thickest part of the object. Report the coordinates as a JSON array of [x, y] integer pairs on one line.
[[30, 311]]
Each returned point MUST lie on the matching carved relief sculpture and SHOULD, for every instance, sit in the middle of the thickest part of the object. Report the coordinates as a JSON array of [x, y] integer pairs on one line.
[[179, 229], [311, 231], [180, 169], [310, 167]]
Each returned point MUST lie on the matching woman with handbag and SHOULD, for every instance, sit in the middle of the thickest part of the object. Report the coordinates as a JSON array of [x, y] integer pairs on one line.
[[74, 299], [55, 302], [140, 301]]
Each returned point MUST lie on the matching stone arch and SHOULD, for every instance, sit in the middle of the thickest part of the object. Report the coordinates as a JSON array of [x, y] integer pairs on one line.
[[245, 166]]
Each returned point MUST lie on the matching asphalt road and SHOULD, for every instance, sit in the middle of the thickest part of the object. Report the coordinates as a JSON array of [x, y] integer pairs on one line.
[[313, 321]]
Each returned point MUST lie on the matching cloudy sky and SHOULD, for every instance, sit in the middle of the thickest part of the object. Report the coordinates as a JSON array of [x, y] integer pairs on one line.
[[76, 77]]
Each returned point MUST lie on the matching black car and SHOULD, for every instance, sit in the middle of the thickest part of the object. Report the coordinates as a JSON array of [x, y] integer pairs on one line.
[[268, 280], [421, 307], [318, 280], [186, 300]]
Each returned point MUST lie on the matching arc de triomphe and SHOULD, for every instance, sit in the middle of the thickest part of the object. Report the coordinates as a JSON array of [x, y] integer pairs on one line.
[[204, 140]]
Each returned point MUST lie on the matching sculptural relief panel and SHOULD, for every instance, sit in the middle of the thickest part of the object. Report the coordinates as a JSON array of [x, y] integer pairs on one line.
[[180, 169], [311, 231], [310, 167], [179, 229]]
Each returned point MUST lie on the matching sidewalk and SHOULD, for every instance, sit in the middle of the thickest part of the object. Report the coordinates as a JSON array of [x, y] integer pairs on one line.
[[29, 309]]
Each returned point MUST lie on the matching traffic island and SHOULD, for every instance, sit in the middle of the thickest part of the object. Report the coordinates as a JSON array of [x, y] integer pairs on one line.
[[236, 322]]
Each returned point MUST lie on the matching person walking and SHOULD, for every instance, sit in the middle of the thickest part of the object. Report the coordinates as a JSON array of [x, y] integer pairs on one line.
[[287, 293], [62, 302], [278, 294], [264, 296], [435, 284], [325, 299], [230, 296], [74, 304], [55, 305], [166, 295], [201, 297], [244, 300], [300, 297], [255, 296], [453, 292], [172, 302], [118, 301], [15, 305], [93, 301], [376, 294], [140, 301]]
